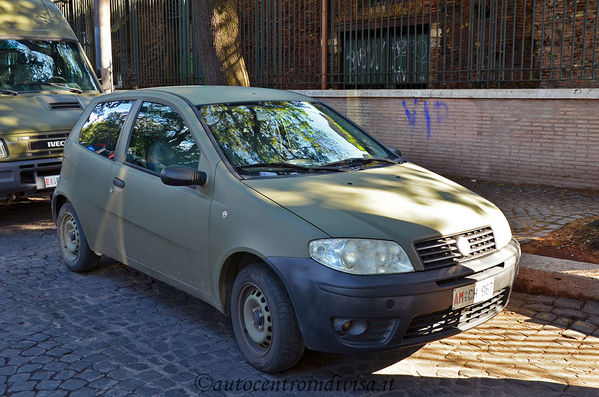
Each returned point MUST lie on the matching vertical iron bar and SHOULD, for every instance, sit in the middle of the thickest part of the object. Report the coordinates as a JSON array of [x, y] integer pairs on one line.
[[523, 40], [595, 39], [573, 40], [584, 39], [532, 40], [551, 54], [561, 58]]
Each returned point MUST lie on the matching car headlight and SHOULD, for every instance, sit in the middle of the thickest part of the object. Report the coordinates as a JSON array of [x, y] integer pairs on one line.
[[361, 256], [501, 232], [3, 150]]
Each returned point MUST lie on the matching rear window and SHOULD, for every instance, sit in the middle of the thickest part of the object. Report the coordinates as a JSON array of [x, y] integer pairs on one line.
[[100, 132]]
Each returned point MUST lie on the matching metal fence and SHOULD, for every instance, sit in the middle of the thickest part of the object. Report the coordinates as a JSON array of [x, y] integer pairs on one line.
[[363, 43]]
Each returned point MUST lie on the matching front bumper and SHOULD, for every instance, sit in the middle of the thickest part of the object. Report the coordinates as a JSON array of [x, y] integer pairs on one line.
[[398, 310], [27, 176]]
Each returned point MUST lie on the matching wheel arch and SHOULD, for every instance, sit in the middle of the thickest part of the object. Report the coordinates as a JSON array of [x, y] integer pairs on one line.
[[58, 200], [231, 268]]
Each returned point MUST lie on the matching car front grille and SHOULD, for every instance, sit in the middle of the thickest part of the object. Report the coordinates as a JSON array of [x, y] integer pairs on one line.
[[443, 251], [451, 320]]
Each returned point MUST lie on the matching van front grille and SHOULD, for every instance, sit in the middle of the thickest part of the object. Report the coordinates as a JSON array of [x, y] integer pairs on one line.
[[48, 142], [443, 251]]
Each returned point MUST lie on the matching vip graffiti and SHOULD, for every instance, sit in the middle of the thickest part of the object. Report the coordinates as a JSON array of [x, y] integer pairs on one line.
[[423, 110]]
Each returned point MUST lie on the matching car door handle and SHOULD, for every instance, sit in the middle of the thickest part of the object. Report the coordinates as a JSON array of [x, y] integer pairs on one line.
[[118, 182]]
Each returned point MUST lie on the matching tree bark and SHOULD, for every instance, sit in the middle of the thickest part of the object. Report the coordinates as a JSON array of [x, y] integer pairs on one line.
[[216, 33]]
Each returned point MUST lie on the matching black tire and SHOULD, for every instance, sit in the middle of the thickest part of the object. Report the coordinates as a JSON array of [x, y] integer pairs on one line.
[[73, 245], [264, 321]]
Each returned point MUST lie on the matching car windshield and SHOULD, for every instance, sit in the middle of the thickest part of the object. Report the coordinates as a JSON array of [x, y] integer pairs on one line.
[[289, 137], [36, 65]]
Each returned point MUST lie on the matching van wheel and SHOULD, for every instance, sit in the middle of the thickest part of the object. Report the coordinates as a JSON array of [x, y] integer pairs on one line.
[[264, 321], [73, 244]]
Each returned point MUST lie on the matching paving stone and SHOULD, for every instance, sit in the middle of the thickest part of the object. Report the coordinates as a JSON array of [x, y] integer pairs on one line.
[[18, 378], [73, 384], [64, 374], [51, 393], [8, 370], [569, 313], [537, 307], [591, 307], [569, 303], [119, 374], [42, 375], [21, 386], [47, 384], [83, 392], [29, 368], [585, 327]]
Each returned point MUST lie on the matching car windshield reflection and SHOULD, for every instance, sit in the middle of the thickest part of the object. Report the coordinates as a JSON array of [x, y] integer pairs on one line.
[[305, 136]]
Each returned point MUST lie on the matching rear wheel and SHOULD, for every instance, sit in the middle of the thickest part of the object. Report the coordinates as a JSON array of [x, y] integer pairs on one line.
[[264, 321], [73, 244]]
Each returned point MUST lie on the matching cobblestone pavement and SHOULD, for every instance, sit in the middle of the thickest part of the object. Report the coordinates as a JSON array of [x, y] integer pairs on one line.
[[535, 211], [116, 332]]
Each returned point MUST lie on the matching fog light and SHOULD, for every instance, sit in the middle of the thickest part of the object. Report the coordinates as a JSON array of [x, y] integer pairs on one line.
[[345, 326]]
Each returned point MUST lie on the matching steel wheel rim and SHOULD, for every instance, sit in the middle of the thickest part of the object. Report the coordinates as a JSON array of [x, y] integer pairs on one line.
[[255, 318], [69, 237]]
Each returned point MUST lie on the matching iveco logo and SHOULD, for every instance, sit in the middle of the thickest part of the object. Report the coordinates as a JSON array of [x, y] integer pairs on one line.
[[56, 144], [463, 245]]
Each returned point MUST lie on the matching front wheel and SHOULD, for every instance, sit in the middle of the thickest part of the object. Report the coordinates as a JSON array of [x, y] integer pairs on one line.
[[73, 244], [264, 321]]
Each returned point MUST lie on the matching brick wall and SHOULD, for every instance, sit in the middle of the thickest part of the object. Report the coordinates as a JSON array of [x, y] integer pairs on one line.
[[548, 137]]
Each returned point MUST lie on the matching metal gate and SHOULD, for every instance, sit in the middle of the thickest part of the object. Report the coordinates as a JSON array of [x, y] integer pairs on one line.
[[362, 43]]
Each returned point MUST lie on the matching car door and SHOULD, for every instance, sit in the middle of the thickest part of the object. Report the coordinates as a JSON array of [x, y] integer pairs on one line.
[[88, 165], [162, 228]]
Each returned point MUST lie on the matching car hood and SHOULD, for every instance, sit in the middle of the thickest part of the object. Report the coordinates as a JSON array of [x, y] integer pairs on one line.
[[40, 112], [402, 202]]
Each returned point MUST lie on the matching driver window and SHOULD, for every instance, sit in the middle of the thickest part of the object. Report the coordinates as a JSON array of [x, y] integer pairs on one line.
[[160, 138]]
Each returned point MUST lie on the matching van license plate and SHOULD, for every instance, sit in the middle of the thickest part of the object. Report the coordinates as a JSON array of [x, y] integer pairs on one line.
[[473, 293], [51, 181]]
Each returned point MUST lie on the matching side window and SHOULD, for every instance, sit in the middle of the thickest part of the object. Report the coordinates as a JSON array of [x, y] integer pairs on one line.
[[160, 138], [103, 126]]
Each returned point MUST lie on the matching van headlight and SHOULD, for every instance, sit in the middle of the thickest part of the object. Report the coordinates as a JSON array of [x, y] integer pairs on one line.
[[361, 256], [3, 150]]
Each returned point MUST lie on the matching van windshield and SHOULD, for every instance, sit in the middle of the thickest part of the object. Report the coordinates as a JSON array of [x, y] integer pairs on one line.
[[38, 65], [288, 137]]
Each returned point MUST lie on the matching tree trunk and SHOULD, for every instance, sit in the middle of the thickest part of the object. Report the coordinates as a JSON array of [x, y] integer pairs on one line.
[[216, 33]]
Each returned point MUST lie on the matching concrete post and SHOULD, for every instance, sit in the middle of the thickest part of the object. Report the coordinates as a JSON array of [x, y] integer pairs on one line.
[[103, 43]]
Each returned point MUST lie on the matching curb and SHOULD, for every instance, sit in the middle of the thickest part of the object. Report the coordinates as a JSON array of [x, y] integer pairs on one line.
[[542, 275]]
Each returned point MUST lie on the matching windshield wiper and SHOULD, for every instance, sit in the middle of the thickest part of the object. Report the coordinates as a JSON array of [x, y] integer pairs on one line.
[[289, 166], [64, 87], [8, 92], [357, 161]]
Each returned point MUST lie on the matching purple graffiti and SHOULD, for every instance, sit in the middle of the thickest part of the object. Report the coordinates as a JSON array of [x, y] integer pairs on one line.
[[440, 110], [410, 115]]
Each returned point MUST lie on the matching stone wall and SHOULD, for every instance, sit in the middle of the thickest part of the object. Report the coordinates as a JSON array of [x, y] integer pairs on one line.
[[548, 137]]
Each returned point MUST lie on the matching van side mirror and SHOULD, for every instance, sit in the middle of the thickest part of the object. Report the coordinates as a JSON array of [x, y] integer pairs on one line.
[[396, 152], [175, 175]]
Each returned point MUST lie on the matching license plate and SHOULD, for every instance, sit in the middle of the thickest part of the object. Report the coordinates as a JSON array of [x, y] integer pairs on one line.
[[51, 181], [473, 293]]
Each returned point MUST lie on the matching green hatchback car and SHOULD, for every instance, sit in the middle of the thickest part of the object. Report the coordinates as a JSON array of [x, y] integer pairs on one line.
[[281, 212]]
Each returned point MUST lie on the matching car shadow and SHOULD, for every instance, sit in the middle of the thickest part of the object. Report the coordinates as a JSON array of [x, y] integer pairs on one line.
[[346, 375]]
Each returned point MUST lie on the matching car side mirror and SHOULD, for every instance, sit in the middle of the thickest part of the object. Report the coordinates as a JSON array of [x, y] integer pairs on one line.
[[396, 152], [175, 175]]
